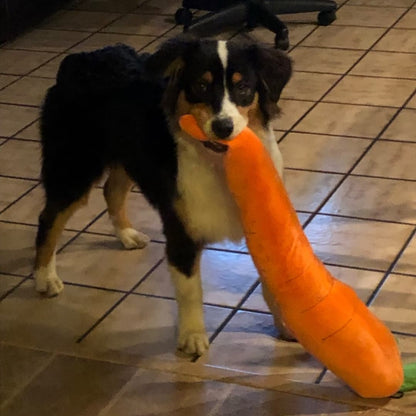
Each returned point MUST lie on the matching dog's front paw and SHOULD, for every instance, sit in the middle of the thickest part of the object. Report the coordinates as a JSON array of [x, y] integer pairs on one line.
[[132, 238], [48, 282], [195, 343]]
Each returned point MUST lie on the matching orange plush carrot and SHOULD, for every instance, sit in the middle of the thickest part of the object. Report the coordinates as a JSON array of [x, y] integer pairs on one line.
[[325, 315]]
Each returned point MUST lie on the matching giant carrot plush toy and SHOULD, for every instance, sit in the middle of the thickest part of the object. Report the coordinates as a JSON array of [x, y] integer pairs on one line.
[[324, 314]]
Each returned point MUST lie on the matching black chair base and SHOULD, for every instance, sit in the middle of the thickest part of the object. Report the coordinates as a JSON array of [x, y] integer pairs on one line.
[[252, 13]]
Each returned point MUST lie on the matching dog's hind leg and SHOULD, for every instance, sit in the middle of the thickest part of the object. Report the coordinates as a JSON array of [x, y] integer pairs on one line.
[[52, 221], [116, 191]]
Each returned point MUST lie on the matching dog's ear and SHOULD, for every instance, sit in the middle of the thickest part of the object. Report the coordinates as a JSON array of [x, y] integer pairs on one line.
[[274, 69], [169, 58]]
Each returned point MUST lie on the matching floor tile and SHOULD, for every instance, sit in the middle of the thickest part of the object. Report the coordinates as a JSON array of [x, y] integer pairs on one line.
[[408, 21], [31, 133], [78, 387], [7, 79], [412, 102], [345, 241], [381, 3], [150, 392], [318, 152], [21, 62], [11, 189], [350, 37], [362, 281], [79, 20], [226, 277], [291, 112], [52, 324], [387, 64], [17, 366], [20, 158], [100, 40], [307, 190], [368, 16], [297, 32], [115, 6], [7, 282], [14, 118], [137, 24], [141, 214], [102, 261], [50, 69], [395, 304], [371, 91], [335, 61], [248, 343], [27, 209], [402, 128], [383, 199], [142, 329], [166, 7], [346, 119], [397, 40], [17, 247], [407, 261], [398, 157], [308, 85], [28, 91], [48, 40]]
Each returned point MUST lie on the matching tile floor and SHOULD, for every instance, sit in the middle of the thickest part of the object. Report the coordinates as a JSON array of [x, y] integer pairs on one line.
[[107, 345]]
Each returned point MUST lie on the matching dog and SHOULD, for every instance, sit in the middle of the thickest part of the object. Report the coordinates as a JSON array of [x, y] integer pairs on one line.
[[116, 110]]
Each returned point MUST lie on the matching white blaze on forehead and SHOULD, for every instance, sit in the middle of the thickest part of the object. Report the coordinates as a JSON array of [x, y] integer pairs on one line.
[[223, 54]]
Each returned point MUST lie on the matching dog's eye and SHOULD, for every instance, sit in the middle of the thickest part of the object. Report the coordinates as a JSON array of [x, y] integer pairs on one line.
[[201, 87]]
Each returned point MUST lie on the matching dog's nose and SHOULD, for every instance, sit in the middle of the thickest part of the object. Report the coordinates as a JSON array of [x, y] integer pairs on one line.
[[222, 127]]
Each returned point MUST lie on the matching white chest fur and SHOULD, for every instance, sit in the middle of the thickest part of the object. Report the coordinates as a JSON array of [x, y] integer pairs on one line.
[[205, 203]]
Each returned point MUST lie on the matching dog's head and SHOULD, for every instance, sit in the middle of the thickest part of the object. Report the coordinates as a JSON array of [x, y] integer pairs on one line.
[[225, 85]]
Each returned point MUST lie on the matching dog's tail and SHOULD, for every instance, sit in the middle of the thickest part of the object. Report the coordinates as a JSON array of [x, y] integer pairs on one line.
[[101, 71]]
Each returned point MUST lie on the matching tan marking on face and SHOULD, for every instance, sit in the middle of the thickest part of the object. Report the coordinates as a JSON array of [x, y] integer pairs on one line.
[[207, 76], [237, 77]]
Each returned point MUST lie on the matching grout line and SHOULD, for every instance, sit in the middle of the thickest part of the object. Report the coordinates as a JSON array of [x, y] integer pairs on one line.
[[11, 290], [404, 334], [19, 198]]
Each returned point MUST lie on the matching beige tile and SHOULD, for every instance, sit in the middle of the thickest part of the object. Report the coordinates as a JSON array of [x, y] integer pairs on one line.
[[389, 159], [50, 69], [291, 112], [21, 62], [52, 324], [76, 386], [28, 91], [371, 91], [79, 20], [20, 158], [31, 133], [27, 209], [102, 261], [154, 45], [6, 80], [412, 102], [157, 393], [362, 281], [226, 277], [100, 40], [355, 242], [7, 282], [407, 261], [381, 3], [14, 118], [11, 189], [18, 366], [403, 127], [408, 21], [346, 119], [142, 330], [48, 40], [397, 40], [115, 6], [307, 190], [248, 344], [308, 86], [318, 152], [387, 64], [297, 32], [137, 24], [17, 247], [351, 37], [142, 216], [167, 7], [368, 16], [383, 199], [336, 61], [395, 304]]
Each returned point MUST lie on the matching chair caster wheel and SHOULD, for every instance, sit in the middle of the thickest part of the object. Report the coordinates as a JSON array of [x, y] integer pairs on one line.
[[326, 17], [183, 17], [281, 40]]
